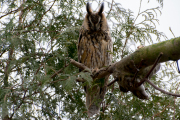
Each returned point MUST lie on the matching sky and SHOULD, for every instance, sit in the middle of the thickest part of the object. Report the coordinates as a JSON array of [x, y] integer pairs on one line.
[[170, 16]]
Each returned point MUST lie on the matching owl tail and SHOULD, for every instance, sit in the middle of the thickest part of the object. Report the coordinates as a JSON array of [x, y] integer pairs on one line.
[[93, 109], [94, 97]]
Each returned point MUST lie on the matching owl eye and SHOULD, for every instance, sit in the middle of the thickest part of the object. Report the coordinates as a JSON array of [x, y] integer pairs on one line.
[[94, 20], [90, 20]]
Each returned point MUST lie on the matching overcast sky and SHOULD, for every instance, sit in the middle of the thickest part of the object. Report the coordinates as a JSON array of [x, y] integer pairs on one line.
[[170, 16]]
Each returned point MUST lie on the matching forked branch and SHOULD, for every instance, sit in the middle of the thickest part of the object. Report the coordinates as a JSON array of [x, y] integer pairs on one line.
[[151, 70], [161, 90]]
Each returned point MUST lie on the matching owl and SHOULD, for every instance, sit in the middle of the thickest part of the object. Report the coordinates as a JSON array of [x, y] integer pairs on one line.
[[94, 51]]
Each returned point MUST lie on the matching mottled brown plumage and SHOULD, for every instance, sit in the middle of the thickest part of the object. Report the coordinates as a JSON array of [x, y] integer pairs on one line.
[[94, 51]]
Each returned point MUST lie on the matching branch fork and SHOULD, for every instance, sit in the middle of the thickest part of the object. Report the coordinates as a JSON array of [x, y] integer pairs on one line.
[[100, 73], [147, 76], [150, 71]]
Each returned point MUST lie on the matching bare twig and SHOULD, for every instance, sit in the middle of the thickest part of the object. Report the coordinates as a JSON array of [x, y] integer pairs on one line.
[[21, 13], [79, 65], [150, 71], [97, 75], [24, 96], [112, 82], [160, 112], [104, 71], [13, 11], [161, 90], [47, 11]]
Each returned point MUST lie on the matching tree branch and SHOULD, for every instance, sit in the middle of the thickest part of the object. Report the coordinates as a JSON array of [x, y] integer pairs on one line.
[[59, 71], [79, 65], [150, 71], [112, 82], [163, 91], [144, 57], [149, 55]]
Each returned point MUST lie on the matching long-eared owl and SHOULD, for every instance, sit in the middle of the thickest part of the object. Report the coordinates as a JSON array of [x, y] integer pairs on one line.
[[95, 51]]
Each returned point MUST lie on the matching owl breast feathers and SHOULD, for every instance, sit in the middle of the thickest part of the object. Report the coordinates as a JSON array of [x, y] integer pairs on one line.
[[94, 51]]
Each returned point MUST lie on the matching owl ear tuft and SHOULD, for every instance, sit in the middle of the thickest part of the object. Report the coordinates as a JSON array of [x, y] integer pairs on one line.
[[88, 8], [101, 9]]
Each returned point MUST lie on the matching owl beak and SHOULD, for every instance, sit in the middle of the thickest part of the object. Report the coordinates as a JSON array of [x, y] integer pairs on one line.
[[96, 27]]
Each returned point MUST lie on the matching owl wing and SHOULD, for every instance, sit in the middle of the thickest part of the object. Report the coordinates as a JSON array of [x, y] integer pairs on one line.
[[79, 46]]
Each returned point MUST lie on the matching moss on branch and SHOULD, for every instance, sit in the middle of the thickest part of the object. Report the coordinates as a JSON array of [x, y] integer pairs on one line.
[[169, 48]]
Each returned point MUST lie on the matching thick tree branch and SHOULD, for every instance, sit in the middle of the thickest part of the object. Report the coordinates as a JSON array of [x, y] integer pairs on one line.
[[143, 57], [149, 55]]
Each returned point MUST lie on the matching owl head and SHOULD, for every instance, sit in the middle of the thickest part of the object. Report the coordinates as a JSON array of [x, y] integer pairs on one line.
[[95, 20]]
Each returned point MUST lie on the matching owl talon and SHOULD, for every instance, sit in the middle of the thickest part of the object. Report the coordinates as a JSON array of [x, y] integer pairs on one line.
[[141, 46], [94, 70]]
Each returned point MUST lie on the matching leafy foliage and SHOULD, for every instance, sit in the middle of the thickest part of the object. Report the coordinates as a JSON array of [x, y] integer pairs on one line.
[[37, 82]]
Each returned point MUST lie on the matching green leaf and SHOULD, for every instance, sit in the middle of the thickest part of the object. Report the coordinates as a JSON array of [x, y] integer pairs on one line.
[[70, 83], [87, 77]]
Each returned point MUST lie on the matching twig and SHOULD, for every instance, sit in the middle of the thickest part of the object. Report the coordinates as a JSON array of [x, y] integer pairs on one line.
[[80, 79], [110, 8], [46, 11], [103, 106], [112, 82], [24, 96], [104, 71], [137, 70], [79, 65], [160, 112], [163, 91], [13, 11], [97, 75], [138, 11], [155, 63], [175, 102]]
